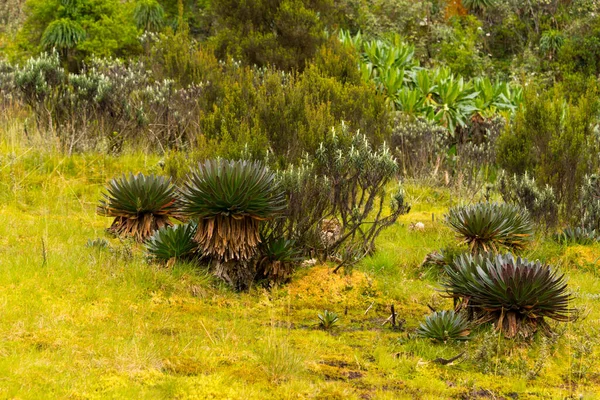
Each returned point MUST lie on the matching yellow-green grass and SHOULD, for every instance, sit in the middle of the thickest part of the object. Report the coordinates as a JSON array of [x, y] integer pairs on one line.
[[86, 322]]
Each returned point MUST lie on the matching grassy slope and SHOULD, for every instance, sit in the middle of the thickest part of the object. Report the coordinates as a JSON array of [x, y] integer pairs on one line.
[[80, 322]]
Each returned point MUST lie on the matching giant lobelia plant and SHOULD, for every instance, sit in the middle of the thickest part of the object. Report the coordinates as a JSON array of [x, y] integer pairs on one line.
[[149, 15], [230, 199], [444, 326], [172, 243], [513, 293], [140, 204], [435, 94], [490, 227]]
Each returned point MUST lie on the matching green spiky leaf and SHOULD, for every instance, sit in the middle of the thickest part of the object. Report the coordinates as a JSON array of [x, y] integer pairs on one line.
[[486, 227], [230, 198], [140, 204], [515, 293], [172, 242], [149, 15], [232, 188], [444, 326], [577, 235], [62, 34], [328, 320]]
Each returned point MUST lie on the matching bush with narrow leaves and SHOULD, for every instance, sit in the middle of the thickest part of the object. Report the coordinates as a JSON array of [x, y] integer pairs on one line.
[[140, 204], [539, 200], [514, 293], [62, 34], [478, 5], [444, 326], [486, 227], [589, 203], [338, 201], [149, 15]]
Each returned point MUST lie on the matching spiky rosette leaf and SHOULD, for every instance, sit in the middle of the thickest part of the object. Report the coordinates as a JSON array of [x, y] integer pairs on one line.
[[515, 293], [328, 320], [149, 15], [489, 227], [230, 199], [478, 4], [171, 243], [62, 34], [282, 250], [444, 326], [278, 258], [577, 235], [140, 203]]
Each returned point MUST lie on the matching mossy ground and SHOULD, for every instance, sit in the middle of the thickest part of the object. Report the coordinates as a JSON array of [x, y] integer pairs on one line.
[[89, 322]]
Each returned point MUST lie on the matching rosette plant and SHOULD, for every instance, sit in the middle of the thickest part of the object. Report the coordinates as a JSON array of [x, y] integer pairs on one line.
[[278, 259], [63, 35], [140, 204], [514, 293], [230, 199], [149, 15], [479, 5], [489, 227], [577, 235], [445, 325], [172, 243]]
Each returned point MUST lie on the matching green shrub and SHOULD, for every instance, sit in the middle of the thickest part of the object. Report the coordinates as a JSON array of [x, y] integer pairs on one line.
[[222, 109], [38, 83], [444, 326], [589, 203], [514, 293], [460, 46], [344, 183], [283, 33], [420, 146], [552, 140], [523, 191], [579, 52], [490, 227], [141, 204], [377, 18], [85, 27], [309, 201]]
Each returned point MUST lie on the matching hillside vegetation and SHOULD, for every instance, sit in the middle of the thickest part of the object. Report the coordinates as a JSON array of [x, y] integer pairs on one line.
[[370, 199]]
